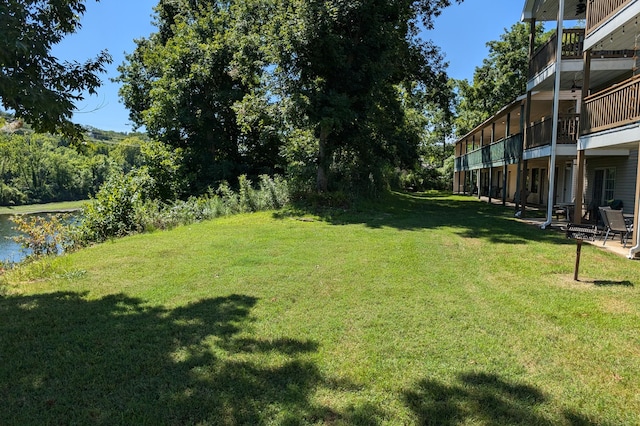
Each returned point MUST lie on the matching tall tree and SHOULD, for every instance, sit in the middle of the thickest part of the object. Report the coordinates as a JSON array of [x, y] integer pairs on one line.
[[185, 84], [34, 84], [228, 80], [342, 63], [500, 79]]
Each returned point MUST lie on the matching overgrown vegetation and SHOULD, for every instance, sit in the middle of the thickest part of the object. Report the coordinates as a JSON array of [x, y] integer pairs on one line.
[[125, 205]]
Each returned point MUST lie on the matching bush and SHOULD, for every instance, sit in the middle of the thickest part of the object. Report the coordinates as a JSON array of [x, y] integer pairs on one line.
[[43, 235], [124, 206], [11, 196], [114, 212]]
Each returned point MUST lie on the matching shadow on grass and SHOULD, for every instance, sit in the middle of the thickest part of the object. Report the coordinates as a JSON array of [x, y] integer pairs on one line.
[[466, 216], [609, 283], [66, 359], [483, 399]]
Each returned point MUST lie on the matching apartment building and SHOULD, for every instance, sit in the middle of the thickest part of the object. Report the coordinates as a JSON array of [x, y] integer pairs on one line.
[[573, 137]]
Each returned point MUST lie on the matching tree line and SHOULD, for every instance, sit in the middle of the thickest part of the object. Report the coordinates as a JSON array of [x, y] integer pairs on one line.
[[335, 95], [40, 167], [330, 93]]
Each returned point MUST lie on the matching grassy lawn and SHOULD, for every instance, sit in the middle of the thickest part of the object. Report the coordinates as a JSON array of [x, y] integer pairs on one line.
[[424, 309], [42, 208]]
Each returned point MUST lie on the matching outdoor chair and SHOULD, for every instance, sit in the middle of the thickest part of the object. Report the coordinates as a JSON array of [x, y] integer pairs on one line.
[[614, 223]]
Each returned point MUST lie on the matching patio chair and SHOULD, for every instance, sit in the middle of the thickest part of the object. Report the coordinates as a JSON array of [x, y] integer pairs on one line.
[[614, 223]]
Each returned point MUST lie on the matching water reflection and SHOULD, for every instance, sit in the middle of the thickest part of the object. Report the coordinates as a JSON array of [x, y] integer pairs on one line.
[[10, 251]]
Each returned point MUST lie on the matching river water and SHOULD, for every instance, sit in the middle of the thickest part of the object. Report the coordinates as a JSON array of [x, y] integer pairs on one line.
[[10, 251]]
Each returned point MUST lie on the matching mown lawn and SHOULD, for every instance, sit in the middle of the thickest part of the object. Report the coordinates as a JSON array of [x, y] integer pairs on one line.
[[422, 309]]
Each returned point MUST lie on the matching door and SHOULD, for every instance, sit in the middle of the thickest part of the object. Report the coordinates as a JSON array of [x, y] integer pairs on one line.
[[567, 182], [598, 188]]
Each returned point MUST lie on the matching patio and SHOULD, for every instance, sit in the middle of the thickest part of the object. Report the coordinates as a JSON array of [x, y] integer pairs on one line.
[[613, 244]]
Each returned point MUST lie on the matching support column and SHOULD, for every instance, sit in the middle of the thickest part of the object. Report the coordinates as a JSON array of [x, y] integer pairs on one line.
[[636, 213], [556, 103], [579, 198]]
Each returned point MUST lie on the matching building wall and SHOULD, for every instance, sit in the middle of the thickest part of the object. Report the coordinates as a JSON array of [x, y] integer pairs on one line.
[[625, 180]]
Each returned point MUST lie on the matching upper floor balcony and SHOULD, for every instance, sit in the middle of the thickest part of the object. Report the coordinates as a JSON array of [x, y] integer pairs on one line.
[[504, 151], [545, 55], [540, 133], [613, 107], [600, 11]]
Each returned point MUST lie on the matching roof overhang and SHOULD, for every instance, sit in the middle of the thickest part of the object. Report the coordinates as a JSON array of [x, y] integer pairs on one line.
[[547, 10]]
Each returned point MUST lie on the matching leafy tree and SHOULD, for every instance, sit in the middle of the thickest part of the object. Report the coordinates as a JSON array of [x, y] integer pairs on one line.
[[33, 83], [229, 82], [500, 79], [187, 85], [342, 64]]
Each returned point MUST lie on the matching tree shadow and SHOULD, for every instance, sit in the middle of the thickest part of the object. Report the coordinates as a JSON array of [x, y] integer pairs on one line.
[[68, 359], [483, 399], [404, 211]]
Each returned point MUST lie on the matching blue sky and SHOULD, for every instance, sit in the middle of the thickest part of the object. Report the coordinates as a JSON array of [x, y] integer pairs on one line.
[[462, 32]]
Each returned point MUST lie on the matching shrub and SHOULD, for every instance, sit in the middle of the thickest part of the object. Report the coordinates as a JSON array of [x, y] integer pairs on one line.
[[42, 235], [124, 206], [114, 212]]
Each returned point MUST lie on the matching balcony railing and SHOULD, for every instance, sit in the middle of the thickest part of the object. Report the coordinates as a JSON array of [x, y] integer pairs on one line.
[[539, 134], [599, 11], [617, 106], [572, 44], [505, 151]]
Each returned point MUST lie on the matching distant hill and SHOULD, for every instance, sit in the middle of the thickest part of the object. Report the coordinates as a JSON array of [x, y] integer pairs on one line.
[[92, 134]]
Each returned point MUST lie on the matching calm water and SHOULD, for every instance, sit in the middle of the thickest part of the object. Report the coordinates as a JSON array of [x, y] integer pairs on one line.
[[10, 251]]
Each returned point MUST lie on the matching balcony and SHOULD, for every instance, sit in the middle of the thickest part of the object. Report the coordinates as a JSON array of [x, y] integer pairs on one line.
[[539, 134], [572, 44], [614, 107], [505, 151], [600, 11]]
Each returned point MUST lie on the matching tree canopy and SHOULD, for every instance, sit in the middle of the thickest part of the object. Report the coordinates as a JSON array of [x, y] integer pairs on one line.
[[500, 79], [247, 85], [36, 86]]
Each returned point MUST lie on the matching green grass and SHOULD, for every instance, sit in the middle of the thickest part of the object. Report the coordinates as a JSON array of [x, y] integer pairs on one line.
[[42, 208], [422, 309]]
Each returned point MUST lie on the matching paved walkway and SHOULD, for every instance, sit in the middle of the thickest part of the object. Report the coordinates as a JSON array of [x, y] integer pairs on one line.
[[613, 244]]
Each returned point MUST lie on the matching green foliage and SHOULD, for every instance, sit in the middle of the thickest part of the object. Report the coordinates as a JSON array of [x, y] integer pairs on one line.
[[165, 166], [501, 78], [191, 86], [113, 211], [343, 64], [42, 235], [40, 168], [125, 205], [425, 179], [311, 88], [33, 83]]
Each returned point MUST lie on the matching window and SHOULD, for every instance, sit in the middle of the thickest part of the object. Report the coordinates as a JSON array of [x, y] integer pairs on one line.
[[604, 185], [609, 184]]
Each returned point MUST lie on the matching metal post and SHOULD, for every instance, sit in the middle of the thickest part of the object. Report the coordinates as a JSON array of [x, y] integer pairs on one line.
[[556, 112]]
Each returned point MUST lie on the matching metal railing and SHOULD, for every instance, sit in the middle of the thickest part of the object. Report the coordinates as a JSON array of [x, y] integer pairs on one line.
[[616, 106], [505, 151]]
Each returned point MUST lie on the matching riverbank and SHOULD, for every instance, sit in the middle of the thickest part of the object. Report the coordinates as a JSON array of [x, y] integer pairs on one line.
[[64, 206]]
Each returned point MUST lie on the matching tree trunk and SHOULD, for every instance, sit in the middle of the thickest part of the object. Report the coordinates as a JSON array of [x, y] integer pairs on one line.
[[322, 179]]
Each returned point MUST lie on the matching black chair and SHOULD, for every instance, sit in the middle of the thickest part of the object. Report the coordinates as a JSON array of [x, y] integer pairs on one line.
[[615, 224]]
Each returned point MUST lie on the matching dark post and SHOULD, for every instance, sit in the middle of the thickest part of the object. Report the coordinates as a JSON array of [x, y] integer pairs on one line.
[[578, 250]]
